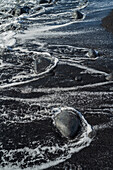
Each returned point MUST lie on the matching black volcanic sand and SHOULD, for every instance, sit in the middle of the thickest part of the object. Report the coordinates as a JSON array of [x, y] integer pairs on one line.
[[107, 22], [98, 155], [96, 107]]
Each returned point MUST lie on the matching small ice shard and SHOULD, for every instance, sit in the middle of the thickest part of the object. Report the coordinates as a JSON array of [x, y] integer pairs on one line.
[[110, 77], [68, 123], [77, 15], [92, 53]]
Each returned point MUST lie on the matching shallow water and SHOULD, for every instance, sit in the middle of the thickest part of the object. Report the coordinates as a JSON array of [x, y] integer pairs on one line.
[[44, 65]]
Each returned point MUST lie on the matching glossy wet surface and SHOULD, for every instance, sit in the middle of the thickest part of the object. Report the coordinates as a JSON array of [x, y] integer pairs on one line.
[[44, 64]]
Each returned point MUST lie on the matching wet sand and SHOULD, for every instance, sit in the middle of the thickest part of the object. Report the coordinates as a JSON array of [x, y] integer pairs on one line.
[[100, 154], [28, 124], [95, 100]]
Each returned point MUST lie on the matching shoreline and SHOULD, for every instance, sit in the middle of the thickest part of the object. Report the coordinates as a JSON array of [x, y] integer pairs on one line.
[[28, 137]]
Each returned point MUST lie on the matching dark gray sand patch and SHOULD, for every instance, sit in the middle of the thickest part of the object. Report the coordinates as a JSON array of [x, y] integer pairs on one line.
[[98, 118], [20, 135], [25, 94], [66, 77], [103, 64], [99, 155]]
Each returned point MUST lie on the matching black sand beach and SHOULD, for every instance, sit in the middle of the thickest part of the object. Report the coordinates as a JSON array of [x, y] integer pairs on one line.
[[99, 155], [67, 77]]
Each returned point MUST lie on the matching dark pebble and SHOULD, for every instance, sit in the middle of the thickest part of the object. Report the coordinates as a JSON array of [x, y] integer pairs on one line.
[[77, 15], [92, 53], [110, 77], [68, 123]]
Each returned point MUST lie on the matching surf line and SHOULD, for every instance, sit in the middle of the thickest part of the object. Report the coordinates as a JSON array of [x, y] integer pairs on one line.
[[34, 78], [61, 89]]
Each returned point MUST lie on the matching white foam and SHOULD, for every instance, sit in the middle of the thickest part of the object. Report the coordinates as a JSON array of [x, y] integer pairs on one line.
[[66, 149], [7, 39], [18, 79], [64, 89]]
